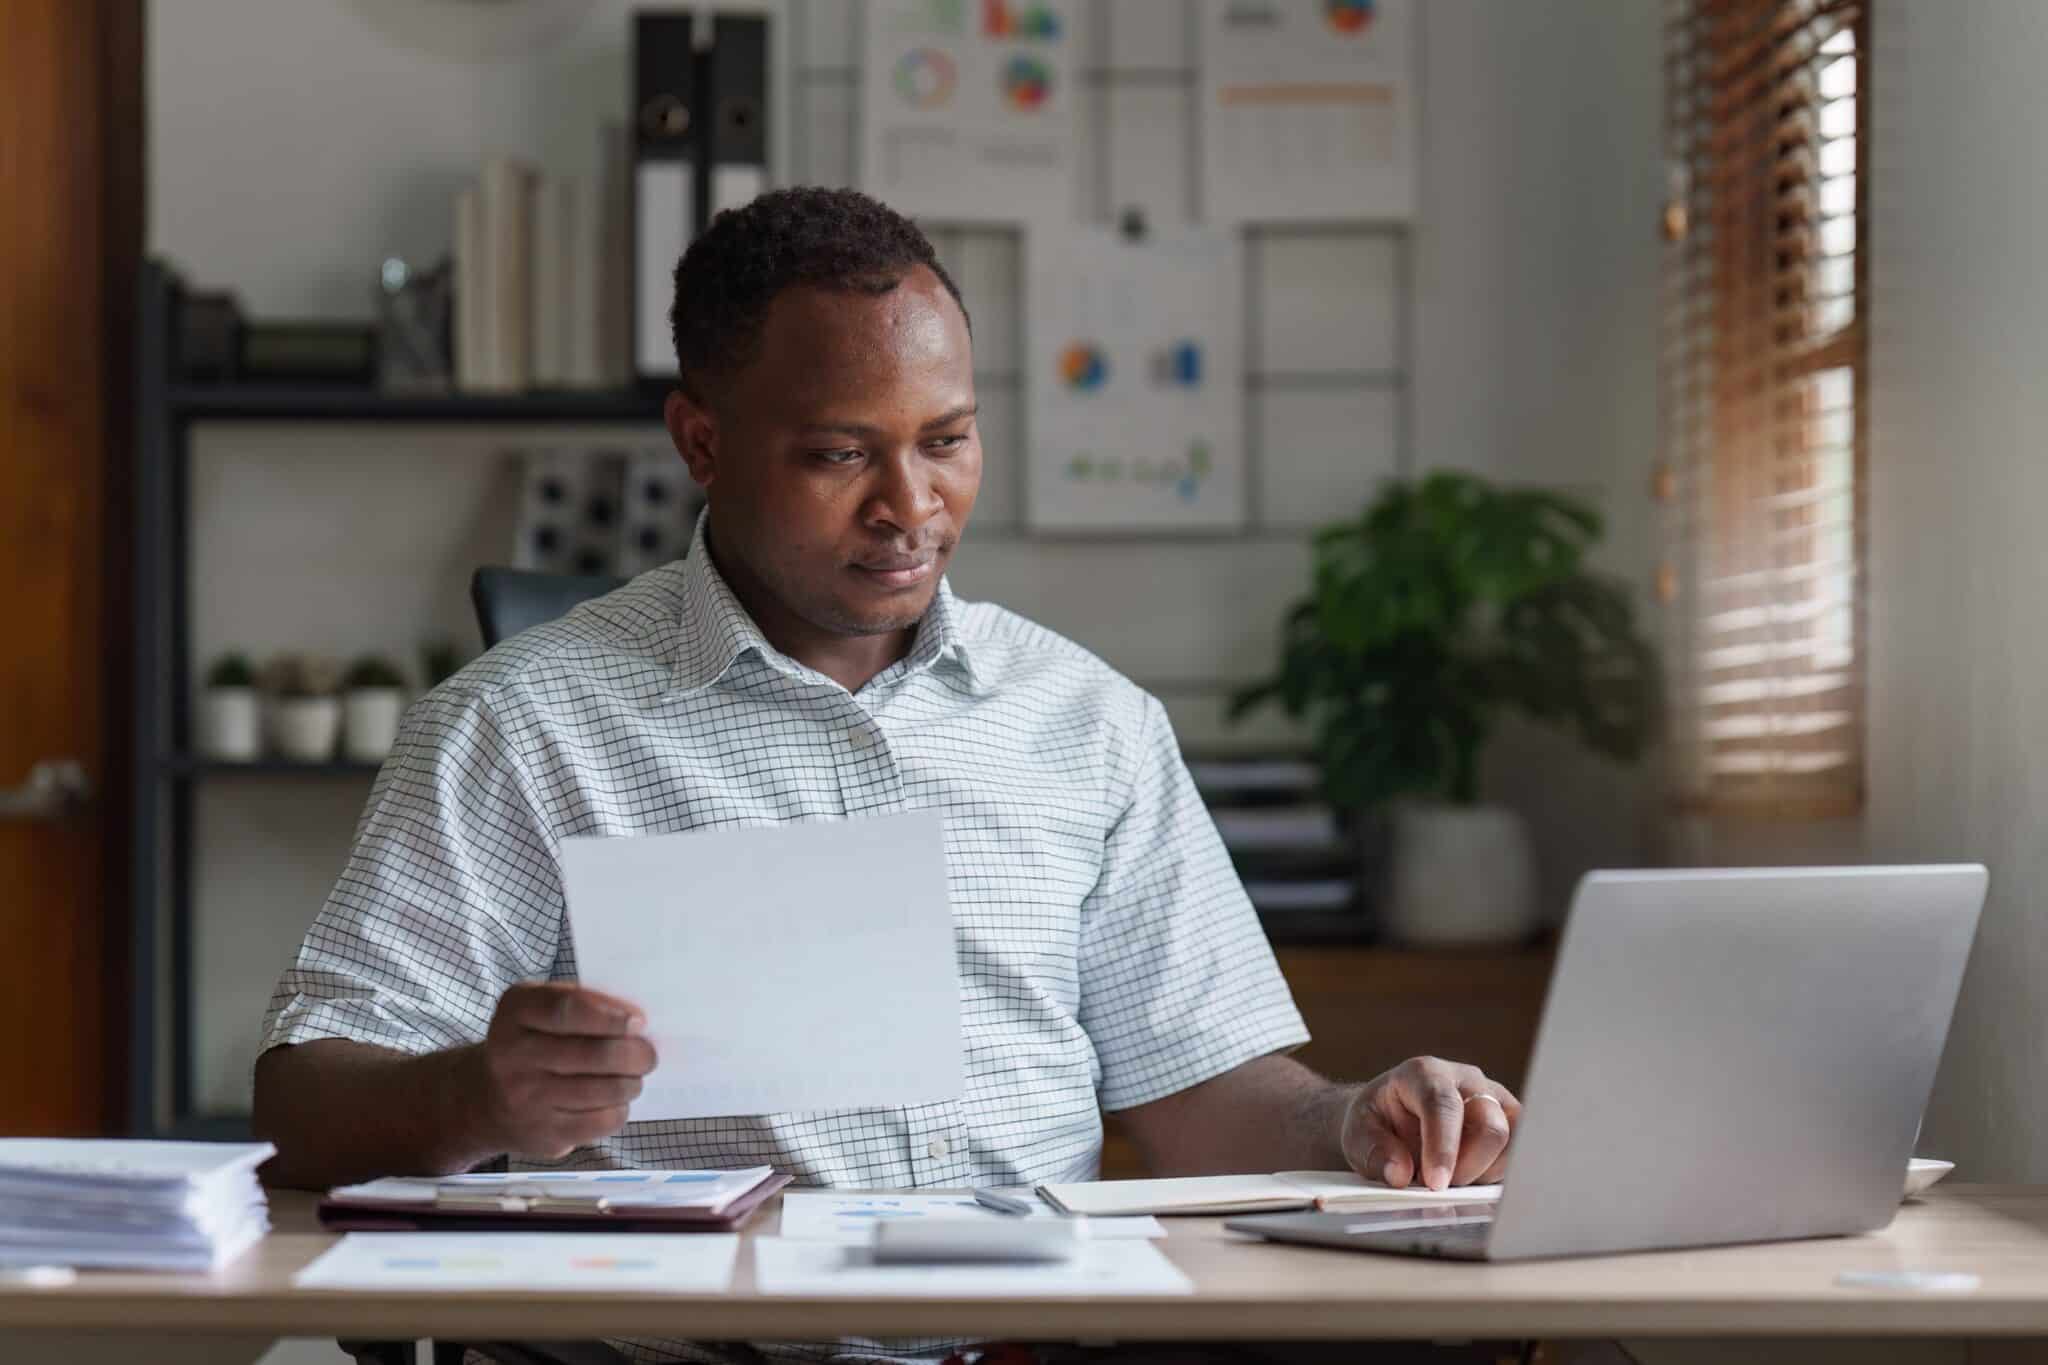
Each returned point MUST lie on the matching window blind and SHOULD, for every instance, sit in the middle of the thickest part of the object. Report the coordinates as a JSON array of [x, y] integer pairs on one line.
[[1762, 411]]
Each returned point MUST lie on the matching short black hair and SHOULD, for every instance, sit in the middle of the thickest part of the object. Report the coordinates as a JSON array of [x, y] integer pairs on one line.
[[807, 235]]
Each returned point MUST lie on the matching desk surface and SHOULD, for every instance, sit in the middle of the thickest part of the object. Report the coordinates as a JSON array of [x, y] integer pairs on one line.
[[1244, 1290]]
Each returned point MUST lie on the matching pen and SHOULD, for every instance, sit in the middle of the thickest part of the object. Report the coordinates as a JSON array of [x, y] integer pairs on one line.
[[1003, 1203]]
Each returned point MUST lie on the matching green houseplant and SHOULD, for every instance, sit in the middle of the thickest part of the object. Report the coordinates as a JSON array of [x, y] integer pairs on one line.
[[1445, 604]]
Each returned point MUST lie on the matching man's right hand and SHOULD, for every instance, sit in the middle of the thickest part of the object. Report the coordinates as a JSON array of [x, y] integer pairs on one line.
[[559, 1066]]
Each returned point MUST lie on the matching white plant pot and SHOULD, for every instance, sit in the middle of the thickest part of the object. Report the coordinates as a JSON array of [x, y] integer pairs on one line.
[[231, 724], [305, 728], [369, 725], [1460, 876]]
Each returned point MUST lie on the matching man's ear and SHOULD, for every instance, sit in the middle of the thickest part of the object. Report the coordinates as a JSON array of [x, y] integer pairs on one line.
[[695, 433]]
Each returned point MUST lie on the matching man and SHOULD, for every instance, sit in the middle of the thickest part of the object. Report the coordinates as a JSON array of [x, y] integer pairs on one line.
[[806, 661]]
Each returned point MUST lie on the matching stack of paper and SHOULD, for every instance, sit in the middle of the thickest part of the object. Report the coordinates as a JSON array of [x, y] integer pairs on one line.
[[129, 1205]]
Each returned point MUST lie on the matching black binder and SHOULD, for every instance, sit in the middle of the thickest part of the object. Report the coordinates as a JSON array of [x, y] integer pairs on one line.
[[668, 171], [736, 92]]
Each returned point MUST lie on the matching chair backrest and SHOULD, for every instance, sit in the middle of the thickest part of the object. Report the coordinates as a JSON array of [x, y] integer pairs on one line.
[[508, 601]]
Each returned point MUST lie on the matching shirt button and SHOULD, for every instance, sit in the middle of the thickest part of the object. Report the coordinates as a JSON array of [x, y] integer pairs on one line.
[[938, 1147], [862, 739]]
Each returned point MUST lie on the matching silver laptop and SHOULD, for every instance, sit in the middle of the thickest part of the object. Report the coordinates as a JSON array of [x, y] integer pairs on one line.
[[1725, 1056]]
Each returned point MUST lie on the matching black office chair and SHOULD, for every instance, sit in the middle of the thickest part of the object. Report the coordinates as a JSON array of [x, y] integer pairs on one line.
[[508, 601]]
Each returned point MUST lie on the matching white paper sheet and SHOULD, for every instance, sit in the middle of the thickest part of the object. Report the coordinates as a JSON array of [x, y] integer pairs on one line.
[[1135, 369], [785, 968], [1224, 1194], [1308, 110], [1347, 1189], [128, 1161], [849, 1219], [1103, 1269], [597, 1262], [968, 112]]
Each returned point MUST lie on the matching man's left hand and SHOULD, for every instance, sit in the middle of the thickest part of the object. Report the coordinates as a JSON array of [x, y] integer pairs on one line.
[[1431, 1121]]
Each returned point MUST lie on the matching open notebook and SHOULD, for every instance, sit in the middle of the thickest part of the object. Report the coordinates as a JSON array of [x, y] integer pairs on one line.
[[1219, 1194]]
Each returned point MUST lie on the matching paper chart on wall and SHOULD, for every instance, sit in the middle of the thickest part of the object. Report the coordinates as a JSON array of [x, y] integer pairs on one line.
[[1135, 369], [968, 108], [1308, 110]]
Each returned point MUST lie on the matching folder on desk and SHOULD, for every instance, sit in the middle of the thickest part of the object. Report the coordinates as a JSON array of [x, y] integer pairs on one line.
[[564, 1201]]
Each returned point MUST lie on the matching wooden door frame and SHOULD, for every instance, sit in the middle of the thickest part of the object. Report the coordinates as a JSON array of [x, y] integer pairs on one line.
[[82, 149]]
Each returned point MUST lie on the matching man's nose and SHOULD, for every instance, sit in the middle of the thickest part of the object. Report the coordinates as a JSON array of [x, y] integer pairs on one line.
[[906, 497]]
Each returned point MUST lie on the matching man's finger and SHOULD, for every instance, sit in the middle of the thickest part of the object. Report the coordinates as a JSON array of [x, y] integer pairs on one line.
[[1439, 1105], [581, 1056], [1512, 1107], [583, 1094], [1386, 1157], [563, 1007], [1485, 1137], [571, 1131]]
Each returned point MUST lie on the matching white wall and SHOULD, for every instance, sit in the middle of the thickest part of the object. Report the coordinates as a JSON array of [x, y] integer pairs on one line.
[[1958, 560], [295, 143], [1535, 323]]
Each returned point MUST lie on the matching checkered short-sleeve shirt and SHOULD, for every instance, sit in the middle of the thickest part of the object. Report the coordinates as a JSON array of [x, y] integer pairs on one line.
[[1107, 953]]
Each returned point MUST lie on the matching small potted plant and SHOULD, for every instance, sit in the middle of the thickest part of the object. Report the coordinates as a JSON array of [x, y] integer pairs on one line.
[[230, 712], [1446, 603], [305, 713], [372, 700]]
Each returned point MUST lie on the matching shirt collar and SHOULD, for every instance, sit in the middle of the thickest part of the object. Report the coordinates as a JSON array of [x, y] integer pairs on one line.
[[716, 630]]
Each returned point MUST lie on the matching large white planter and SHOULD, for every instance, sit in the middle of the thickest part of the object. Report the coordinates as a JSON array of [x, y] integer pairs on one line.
[[305, 728], [1460, 876], [369, 725], [231, 724]]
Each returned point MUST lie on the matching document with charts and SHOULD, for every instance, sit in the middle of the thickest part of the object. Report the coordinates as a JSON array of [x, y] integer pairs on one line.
[[968, 108], [535, 1262], [1308, 110], [1135, 366]]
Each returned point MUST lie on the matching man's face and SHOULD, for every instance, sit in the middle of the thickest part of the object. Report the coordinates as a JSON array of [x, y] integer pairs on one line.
[[842, 464]]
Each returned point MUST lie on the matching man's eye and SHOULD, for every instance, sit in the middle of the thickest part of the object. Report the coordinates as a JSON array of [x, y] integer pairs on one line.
[[948, 442], [836, 456]]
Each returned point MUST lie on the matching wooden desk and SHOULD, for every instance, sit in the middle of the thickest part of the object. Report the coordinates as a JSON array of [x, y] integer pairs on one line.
[[1245, 1290]]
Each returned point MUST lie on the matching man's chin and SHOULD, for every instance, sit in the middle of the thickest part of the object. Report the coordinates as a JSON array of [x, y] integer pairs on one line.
[[883, 614]]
